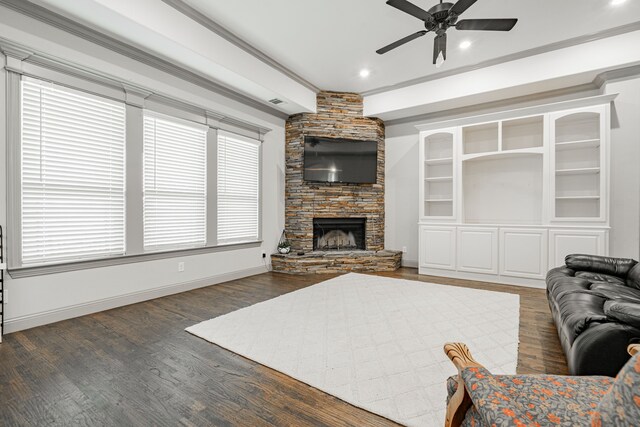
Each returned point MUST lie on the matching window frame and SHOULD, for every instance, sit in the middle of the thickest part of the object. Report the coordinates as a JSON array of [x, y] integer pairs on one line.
[[135, 100], [259, 172], [207, 170], [96, 98]]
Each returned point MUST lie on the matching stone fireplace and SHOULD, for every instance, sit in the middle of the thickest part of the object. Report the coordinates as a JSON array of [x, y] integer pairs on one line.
[[339, 234], [313, 210]]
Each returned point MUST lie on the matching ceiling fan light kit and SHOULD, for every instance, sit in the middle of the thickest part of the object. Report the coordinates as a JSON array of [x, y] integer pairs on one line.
[[439, 19]]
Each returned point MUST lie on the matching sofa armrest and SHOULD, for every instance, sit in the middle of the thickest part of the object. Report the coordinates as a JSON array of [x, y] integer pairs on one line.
[[619, 267], [601, 349], [623, 311]]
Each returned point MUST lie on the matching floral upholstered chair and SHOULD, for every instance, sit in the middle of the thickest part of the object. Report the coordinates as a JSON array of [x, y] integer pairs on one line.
[[477, 398]]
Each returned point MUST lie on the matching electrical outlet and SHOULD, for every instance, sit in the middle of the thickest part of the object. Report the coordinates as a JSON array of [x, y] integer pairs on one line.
[[180, 267], [404, 249]]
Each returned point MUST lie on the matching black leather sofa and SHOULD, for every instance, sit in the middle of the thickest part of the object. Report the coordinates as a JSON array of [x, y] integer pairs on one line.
[[595, 302]]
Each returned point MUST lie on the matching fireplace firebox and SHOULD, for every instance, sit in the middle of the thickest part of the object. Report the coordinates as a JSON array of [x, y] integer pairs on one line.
[[339, 234]]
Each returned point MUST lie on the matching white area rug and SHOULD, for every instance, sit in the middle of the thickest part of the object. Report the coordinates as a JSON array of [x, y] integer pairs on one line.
[[373, 341]]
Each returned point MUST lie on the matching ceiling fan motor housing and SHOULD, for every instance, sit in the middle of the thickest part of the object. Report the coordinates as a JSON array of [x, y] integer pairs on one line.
[[442, 19], [440, 12]]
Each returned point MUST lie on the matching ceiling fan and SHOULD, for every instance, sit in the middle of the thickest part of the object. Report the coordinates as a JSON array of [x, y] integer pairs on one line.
[[438, 19]]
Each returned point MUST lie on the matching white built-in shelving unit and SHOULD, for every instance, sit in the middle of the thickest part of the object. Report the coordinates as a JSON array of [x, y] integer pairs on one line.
[[504, 197], [437, 175]]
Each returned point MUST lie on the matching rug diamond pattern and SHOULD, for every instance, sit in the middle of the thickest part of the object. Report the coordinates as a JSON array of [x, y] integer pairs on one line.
[[373, 341]]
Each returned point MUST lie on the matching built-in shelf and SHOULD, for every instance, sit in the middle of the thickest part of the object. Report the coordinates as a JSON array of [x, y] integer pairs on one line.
[[528, 187], [482, 138], [526, 132], [577, 197], [439, 161], [503, 154], [578, 171], [575, 145], [439, 179]]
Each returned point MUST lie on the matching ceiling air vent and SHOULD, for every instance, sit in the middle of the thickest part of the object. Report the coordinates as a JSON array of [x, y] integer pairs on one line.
[[276, 101]]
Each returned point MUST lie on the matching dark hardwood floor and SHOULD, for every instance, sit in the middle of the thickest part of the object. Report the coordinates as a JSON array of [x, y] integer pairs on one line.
[[136, 365]]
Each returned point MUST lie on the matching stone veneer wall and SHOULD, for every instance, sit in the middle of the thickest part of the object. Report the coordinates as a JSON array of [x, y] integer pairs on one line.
[[339, 115]]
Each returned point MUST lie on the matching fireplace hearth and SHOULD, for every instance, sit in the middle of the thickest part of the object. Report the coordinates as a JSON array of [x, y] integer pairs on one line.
[[339, 234]]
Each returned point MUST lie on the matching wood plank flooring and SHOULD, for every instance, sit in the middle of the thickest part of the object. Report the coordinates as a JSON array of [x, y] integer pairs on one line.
[[136, 366]]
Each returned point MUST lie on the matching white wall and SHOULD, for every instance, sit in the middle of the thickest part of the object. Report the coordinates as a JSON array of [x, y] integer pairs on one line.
[[42, 299], [402, 168], [625, 172], [401, 192]]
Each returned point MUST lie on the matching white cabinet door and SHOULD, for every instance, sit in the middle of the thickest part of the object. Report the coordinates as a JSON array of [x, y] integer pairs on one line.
[[565, 242], [438, 247], [478, 250], [523, 252]]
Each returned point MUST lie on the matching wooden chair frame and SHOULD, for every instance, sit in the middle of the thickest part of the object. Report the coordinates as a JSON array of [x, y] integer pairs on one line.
[[460, 402]]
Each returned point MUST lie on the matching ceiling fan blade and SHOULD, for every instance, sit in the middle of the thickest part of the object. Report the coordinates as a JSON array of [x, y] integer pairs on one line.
[[486, 24], [461, 6], [440, 45], [401, 42], [411, 9]]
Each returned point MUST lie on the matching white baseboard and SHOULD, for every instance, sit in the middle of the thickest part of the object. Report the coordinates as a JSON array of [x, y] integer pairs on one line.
[[413, 263], [52, 316], [487, 278]]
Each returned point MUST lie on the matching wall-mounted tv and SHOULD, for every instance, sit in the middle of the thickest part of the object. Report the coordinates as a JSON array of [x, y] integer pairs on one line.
[[340, 160]]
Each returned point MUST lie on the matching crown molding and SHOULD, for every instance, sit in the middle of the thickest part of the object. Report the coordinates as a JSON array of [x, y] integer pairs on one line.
[[63, 23], [202, 19], [127, 92], [623, 29], [14, 51], [521, 112], [600, 80], [621, 73], [135, 95], [499, 105]]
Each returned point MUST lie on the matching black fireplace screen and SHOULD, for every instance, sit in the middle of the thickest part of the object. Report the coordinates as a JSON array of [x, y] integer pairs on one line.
[[338, 234]]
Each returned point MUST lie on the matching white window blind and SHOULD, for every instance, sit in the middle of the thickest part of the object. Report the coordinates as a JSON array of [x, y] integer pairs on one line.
[[72, 175], [175, 188], [238, 188]]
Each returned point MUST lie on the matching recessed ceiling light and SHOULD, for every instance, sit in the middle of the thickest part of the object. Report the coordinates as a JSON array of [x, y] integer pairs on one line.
[[466, 44], [617, 2], [364, 73]]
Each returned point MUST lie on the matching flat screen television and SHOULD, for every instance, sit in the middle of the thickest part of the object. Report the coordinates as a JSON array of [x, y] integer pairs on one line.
[[340, 160]]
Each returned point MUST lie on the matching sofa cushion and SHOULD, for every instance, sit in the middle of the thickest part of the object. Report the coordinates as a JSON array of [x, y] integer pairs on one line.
[[625, 312], [599, 277], [616, 292], [633, 278], [600, 264], [561, 280], [621, 405], [578, 310]]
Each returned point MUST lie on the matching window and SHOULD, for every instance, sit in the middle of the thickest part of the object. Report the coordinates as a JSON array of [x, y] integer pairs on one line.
[[175, 188], [238, 188], [102, 173], [72, 175]]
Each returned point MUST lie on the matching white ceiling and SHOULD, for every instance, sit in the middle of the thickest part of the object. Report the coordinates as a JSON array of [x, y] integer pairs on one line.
[[328, 42]]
